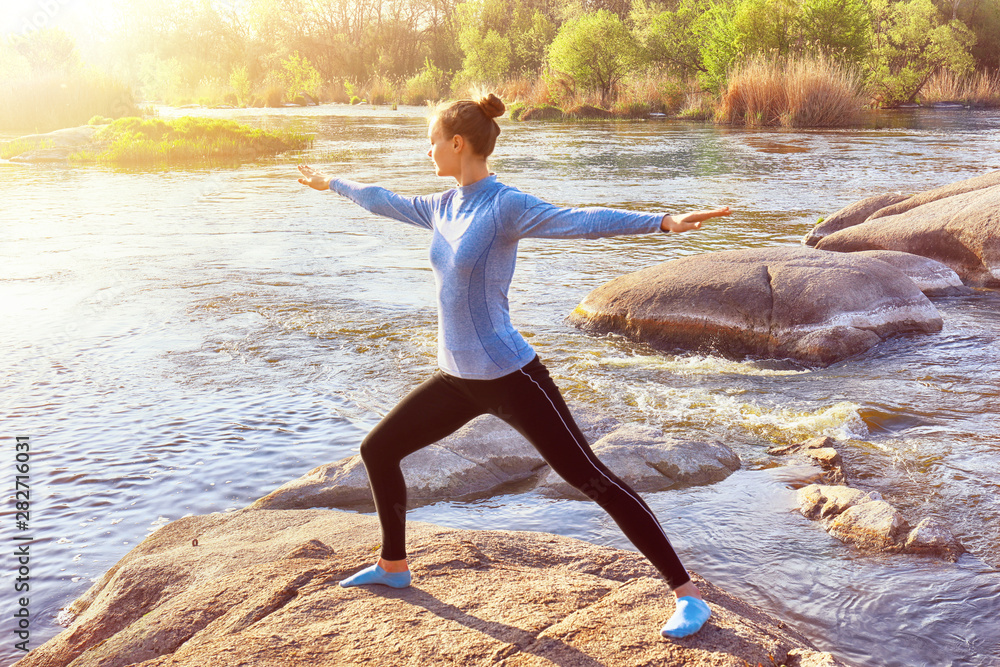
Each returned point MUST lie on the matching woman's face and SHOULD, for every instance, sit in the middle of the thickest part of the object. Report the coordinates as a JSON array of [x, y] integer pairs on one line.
[[444, 151]]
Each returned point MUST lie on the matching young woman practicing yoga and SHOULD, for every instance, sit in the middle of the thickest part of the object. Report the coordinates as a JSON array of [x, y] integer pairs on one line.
[[485, 364]]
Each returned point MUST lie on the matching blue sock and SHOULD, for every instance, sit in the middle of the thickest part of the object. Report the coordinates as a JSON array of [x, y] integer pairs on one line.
[[376, 575], [691, 614]]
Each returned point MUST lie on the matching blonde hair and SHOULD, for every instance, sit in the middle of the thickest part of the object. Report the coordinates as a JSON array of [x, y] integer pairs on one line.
[[473, 119]]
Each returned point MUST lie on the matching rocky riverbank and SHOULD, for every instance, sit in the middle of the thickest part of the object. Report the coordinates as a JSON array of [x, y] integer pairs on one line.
[[259, 587]]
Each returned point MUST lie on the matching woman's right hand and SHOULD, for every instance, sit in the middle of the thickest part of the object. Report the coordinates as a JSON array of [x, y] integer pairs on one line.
[[315, 179]]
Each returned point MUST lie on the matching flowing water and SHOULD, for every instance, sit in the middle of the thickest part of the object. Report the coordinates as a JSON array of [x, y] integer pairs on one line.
[[183, 341]]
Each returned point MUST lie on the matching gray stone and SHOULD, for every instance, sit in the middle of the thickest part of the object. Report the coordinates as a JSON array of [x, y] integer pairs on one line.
[[480, 458], [793, 303], [647, 461], [934, 538]]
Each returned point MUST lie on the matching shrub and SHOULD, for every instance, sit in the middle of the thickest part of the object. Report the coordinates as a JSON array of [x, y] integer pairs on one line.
[[981, 89], [427, 85], [801, 92]]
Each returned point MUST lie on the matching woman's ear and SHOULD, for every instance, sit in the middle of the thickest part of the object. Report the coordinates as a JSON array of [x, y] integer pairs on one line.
[[458, 143]]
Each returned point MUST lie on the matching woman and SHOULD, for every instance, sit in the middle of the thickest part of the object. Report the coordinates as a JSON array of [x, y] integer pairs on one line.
[[485, 364]]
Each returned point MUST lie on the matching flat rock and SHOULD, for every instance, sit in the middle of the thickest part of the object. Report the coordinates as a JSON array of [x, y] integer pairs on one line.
[[793, 303], [648, 461], [931, 276], [819, 501], [875, 525], [960, 230], [260, 589], [853, 214]]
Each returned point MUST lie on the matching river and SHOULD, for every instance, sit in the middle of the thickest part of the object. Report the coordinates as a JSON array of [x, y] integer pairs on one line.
[[183, 341]]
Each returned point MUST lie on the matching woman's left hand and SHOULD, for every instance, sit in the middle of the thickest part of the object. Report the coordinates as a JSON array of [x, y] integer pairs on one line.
[[688, 221]]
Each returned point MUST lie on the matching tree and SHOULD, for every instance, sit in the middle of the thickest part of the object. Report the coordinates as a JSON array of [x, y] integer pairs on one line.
[[911, 39], [671, 39], [595, 49], [501, 38]]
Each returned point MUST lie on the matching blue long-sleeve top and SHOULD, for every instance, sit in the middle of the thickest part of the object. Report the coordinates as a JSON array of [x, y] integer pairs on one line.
[[473, 248]]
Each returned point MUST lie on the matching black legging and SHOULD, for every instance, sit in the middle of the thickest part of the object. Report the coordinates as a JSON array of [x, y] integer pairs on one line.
[[529, 401]]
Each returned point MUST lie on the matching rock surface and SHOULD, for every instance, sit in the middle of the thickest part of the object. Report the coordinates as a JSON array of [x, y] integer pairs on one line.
[[949, 190], [648, 461], [853, 214], [961, 231], [932, 277], [487, 456], [874, 525], [260, 589], [823, 452], [789, 302], [867, 521], [60, 144]]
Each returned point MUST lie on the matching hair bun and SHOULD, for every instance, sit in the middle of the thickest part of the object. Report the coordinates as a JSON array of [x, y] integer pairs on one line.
[[491, 105]]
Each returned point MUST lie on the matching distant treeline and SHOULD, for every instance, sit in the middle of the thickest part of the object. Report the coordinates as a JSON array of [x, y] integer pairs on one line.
[[270, 51]]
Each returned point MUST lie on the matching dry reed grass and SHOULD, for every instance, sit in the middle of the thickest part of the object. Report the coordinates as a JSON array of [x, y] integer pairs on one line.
[[805, 92], [981, 89]]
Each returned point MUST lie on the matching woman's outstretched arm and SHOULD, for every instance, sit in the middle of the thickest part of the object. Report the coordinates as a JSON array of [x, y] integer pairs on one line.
[[693, 220], [417, 211]]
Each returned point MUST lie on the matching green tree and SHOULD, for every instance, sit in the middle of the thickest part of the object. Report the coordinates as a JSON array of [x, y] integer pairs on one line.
[[671, 39], [838, 29], [596, 49], [501, 38], [911, 39]]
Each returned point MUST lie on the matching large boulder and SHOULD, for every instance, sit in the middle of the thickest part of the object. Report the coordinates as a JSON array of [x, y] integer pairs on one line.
[[867, 521], [853, 214], [980, 182], [961, 230], [789, 302], [648, 461], [487, 456], [259, 587]]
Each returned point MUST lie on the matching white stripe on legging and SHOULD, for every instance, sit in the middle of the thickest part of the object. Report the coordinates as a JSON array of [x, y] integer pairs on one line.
[[631, 495]]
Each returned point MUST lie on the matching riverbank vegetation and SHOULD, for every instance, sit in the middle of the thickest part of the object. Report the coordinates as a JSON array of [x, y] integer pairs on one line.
[[130, 141], [681, 58]]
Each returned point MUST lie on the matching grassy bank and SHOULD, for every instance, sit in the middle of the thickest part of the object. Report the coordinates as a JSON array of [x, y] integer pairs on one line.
[[136, 141]]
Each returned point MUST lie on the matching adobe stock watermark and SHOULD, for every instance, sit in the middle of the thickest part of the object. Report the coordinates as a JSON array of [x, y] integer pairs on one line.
[[38, 15]]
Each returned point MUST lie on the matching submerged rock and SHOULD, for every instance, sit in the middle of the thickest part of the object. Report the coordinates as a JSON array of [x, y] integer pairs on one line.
[[959, 230], [648, 461], [853, 214], [261, 589], [790, 303], [867, 521], [934, 538], [822, 451]]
